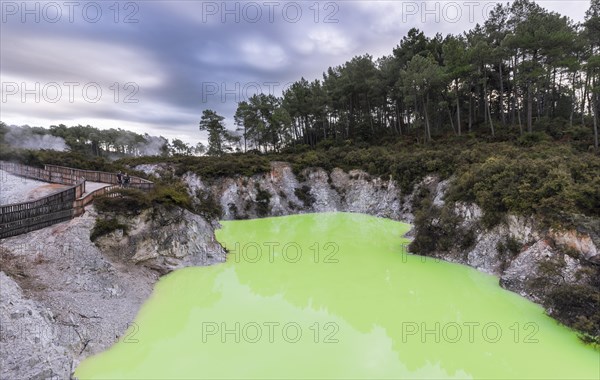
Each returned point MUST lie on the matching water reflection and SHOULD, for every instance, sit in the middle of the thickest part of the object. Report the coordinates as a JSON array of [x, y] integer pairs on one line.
[[334, 296]]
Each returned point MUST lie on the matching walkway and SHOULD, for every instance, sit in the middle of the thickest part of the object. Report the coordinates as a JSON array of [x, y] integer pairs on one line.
[[62, 195], [15, 189], [93, 186]]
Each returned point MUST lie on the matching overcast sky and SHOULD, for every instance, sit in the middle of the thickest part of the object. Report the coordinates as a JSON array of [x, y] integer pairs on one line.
[[154, 66]]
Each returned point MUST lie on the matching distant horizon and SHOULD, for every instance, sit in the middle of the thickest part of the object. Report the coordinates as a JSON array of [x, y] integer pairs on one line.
[[153, 67]]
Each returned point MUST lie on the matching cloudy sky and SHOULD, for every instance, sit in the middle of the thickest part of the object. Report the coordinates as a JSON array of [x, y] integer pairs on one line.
[[153, 66]]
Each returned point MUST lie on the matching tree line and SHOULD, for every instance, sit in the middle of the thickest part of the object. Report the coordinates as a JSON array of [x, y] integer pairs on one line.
[[523, 66], [91, 141]]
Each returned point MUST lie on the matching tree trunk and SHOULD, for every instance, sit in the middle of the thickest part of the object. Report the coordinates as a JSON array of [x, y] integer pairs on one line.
[[370, 116], [553, 97], [573, 100], [595, 108], [515, 95], [502, 96], [487, 105], [427, 127], [584, 97], [457, 108], [451, 119], [246, 134], [529, 108], [398, 123], [470, 111]]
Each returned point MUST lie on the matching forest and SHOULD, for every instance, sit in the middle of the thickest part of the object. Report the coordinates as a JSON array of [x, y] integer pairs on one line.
[[525, 70]]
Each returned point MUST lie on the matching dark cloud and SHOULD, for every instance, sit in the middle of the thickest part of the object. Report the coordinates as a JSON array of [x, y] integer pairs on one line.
[[185, 56]]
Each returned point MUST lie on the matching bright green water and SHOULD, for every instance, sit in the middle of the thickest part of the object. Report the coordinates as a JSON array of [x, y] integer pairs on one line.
[[337, 298]]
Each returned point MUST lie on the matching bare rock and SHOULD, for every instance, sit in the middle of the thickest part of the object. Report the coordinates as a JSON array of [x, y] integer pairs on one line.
[[164, 240], [29, 344]]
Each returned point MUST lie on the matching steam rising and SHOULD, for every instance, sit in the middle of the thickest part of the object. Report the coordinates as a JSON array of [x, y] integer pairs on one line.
[[25, 138], [152, 147]]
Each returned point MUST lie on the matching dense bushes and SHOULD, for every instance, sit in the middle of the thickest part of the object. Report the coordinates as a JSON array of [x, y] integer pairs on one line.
[[105, 226], [133, 201], [263, 200], [437, 229], [171, 195], [549, 182], [209, 167], [38, 158], [530, 174], [577, 306], [303, 193], [207, 206], [128, 202]]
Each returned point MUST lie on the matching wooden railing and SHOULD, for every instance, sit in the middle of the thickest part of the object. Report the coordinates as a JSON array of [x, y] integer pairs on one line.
[[48, 211], [40, 174], [79, 204], [96, 176], [19, 218]]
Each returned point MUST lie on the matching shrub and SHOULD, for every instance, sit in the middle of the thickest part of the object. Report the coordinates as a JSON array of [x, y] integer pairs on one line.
[[207, 206], [303, 193], [128, 201], [105, 226], [577, 306], [532, 138], [437, 229], [171, 195], [263, 199]]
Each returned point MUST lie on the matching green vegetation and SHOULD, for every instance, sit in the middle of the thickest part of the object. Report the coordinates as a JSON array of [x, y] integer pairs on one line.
[[38, 158], [438, 229], [303, 193], [218, 136], [547, 180], [131, 202], [105, 226], [209, 167], [554, 177], [93, 142], [576, 305], [263, 199], [171, 194], [208, 206], [123, 201]]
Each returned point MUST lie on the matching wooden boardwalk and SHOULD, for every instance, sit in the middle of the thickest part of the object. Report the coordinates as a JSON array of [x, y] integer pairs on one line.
[[19, 218]]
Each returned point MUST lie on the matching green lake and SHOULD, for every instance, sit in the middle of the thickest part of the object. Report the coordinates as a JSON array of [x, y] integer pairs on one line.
[[335, 295]]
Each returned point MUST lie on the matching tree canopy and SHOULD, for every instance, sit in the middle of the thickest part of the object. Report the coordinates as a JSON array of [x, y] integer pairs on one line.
[[525, 65]]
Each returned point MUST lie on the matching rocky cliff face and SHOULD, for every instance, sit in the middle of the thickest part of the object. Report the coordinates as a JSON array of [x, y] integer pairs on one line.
[[164, 240], [280, 192], [520, 252]]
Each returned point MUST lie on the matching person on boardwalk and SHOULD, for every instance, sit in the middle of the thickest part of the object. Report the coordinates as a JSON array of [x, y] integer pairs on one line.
[[126, 180], [120, 178]]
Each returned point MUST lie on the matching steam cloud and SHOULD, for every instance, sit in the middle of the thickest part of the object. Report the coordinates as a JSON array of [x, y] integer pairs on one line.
[[25, 138], [152, 146]]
